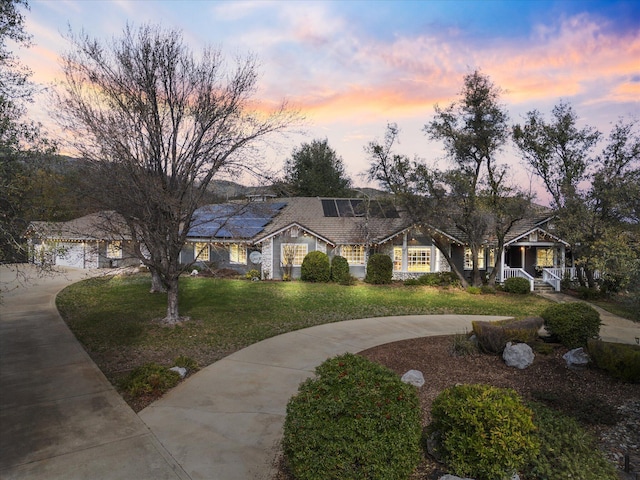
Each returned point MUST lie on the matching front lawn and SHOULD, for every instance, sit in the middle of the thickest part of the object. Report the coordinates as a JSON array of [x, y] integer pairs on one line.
[[117, 320]]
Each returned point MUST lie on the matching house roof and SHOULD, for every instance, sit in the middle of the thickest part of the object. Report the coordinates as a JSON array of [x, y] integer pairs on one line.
[[240, 221], [341, 221], [96, 226]]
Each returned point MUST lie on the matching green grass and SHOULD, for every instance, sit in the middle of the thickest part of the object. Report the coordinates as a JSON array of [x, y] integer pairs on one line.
[[118, 320]]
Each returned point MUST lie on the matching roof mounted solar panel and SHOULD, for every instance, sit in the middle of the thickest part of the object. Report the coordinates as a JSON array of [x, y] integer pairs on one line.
[[329, 207]]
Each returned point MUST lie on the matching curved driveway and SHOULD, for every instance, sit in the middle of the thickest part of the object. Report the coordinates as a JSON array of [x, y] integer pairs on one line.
[[61, 418]]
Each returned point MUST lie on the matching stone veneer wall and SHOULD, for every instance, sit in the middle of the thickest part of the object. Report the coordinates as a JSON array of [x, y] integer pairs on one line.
[[267, 260]]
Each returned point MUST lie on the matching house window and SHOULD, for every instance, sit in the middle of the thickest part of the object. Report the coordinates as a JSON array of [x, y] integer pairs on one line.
[[237, 254], [492, 257], [202, 252], [468, 260], [353, 253], [114, 249], [292, 253], [419, 259], [544, 257], [397, 259]]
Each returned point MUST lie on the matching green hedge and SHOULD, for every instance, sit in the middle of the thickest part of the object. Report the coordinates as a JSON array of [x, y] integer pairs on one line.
[[493, 336], [517, 285], [354, 420], [340, 270], [315, 267], [572, 323], [438, 279], [379, 269], [482, 431], [620, 360]]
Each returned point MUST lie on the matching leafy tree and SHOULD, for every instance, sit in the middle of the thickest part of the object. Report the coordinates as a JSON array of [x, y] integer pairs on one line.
[[596, 196], [474, 196], [24, 151], [557, 151], [315, 169], [156, 124]]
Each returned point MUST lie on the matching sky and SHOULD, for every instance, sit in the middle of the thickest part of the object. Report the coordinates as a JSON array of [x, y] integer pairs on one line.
[[351, 67]]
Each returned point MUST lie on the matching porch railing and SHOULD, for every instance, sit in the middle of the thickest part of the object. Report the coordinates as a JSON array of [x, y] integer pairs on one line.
[[552, 276], [518, 272]]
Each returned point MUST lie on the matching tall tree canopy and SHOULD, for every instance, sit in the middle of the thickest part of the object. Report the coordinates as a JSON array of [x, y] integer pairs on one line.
[[315, 169], [24, 150], [474, 195], [156, 123], [596, 195]]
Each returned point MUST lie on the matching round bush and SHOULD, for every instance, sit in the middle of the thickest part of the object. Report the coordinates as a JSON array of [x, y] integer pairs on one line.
[[517, 285], [482, 431], [315, 267], [355, 420], [340, 270], [379, 269], [573, 323]]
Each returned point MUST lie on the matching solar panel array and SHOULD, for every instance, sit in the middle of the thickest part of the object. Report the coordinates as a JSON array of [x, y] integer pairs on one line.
[[227, 221], [356, 207]]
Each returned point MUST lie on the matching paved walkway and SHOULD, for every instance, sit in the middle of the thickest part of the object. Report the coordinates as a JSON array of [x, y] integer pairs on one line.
[[60, 417]]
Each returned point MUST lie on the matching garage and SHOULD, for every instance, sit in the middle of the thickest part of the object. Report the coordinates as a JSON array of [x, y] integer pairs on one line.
[[76, 254]]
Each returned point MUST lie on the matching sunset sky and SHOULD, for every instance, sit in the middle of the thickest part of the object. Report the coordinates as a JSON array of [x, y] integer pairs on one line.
[[353, 66]]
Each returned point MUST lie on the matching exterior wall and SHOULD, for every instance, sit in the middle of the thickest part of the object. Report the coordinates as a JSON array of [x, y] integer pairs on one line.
[[312, 245], [79, 254], [267, 260]]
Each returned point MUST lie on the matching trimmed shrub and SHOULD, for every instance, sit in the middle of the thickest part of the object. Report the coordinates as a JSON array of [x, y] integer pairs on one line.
[[340, 270], [620, 360], [355, 420], [566, 450], [474, 290], [315, 267], [572, 323], [482, 431], [517, 285], [493, 336], [379, 269], [150, 378]]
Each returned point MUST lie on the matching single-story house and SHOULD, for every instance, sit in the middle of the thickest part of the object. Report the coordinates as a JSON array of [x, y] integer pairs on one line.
[[98, 240], [273, 235]]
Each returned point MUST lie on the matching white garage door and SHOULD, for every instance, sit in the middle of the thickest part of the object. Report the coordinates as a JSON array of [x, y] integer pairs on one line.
[[71, 255]]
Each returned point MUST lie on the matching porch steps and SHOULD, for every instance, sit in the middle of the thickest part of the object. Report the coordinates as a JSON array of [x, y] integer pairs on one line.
[[542, 286]]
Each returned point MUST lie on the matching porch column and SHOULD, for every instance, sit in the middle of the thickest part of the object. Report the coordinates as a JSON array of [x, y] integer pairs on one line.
[[405, 252], [501, 277]]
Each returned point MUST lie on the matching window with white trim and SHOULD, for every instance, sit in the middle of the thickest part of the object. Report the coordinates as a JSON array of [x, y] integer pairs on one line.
[[238, 254], [114, 249], [468, 262], [293, 253], [353, 253], [202, 251], [419, 259], [397, 259], [544, 257]]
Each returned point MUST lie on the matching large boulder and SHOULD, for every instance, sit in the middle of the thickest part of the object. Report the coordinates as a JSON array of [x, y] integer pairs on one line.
[[519, 355]]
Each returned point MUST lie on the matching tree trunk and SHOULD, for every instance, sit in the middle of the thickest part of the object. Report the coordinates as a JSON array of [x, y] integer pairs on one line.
[[156, 283], [173, 316]]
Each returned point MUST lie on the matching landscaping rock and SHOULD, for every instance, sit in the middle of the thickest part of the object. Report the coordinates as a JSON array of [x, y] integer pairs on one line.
[[576, 358], [180, 370], [519, 355], [413, 377], [453, 477]]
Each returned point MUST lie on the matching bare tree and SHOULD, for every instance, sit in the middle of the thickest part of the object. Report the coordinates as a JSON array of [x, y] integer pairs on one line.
[[156, 124]]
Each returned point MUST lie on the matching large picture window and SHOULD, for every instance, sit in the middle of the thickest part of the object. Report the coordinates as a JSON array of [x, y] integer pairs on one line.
[[293, 254], [202, 252], [114, 249], [353, 253], [237, 254], [419, 259], [468, 259], [544, 257]]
